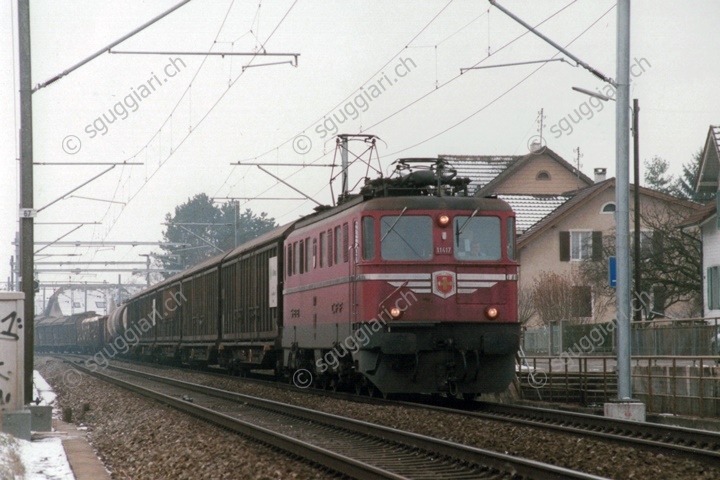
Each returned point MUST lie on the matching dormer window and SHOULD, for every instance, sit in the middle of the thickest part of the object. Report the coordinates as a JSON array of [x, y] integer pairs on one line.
[[608, 208], [542, 175]]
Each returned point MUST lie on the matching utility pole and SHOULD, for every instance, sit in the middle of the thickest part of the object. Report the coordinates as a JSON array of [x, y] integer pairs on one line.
[[622, 219], [26, 193], [636, 192]]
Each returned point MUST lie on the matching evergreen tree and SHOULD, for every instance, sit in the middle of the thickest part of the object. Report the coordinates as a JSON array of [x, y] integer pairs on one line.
[[657, 176], [208, 230]]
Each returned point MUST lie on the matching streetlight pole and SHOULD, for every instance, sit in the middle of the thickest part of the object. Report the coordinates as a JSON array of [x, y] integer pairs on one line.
[[622, 217], [636, 198]]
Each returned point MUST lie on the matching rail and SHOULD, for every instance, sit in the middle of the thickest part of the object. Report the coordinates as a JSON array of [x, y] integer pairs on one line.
[[376, 451]]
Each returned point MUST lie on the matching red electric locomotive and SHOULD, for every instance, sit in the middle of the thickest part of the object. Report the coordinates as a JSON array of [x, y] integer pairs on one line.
[[410, 287]]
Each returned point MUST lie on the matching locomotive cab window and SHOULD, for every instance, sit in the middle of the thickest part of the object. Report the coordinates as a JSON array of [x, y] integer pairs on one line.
[[406, 237], [477, 238], [368, 238]]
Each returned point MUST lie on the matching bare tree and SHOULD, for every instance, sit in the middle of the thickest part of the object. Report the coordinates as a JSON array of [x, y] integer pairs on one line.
[[670, 267], [552, 297], [526, 309]]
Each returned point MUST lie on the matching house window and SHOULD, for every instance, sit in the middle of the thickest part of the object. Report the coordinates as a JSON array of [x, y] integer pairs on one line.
[[543, 176], [581, 301], [713, 288], [648, 245], [609, 207], [578, 245]]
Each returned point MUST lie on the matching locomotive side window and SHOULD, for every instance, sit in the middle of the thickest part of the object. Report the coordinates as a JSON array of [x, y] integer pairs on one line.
[[296, 258], [477, 238], [511, 238], [368, 238], [308, 255], [406, 237], [302, 257], [323, 249], [314, 253], [288, 269], [338, 246], [330, 248], [346, 244]]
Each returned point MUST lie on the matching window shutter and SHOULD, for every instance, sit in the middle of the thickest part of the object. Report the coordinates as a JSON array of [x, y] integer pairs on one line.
[[564, 246], [712, 288], [597, 250], [659, 300], [657, 243], [708, 281]]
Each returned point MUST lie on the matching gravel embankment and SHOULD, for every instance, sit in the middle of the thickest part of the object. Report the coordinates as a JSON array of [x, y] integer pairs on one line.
[[570, 451], [140, 439]]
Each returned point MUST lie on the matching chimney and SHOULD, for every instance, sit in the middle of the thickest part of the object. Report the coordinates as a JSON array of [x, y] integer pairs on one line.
[[600, 174]]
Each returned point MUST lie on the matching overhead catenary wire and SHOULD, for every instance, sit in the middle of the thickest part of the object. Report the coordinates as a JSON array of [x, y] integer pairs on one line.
[[202, 118], [430, 92], [484, 107], [158, 133]]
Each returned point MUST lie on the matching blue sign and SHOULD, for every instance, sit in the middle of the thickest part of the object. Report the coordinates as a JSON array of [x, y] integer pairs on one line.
[[612, 272]]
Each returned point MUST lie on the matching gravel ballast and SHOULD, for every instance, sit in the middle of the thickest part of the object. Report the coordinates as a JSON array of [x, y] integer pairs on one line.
[[149, 427], [141, 439]]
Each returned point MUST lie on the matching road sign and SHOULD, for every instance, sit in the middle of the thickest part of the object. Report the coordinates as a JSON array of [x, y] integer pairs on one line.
[[612, 271]]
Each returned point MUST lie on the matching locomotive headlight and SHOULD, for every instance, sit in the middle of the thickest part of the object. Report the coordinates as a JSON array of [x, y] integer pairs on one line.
[[395, 313], [443, 220], [491, 312]]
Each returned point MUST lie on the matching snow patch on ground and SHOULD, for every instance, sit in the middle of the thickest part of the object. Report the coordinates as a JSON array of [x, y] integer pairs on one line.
[[41, 459], [45, 459]]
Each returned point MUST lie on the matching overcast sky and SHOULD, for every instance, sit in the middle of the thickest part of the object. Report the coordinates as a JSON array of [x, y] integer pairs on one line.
[[187, 118]]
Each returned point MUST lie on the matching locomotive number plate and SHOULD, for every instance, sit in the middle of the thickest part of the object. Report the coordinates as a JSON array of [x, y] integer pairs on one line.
[[443, 250]]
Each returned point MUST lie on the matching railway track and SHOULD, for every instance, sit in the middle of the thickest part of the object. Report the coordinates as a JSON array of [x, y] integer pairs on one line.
[[351, 447], [699, 444]]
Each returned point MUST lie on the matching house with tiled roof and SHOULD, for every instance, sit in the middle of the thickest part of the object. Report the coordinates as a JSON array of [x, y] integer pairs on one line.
[[575, 231], [708, 181], [544, 172], [534, 184]]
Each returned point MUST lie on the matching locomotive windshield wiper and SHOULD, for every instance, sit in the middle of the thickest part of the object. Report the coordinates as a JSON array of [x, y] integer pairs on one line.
[[393, 225], [460, 230]]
